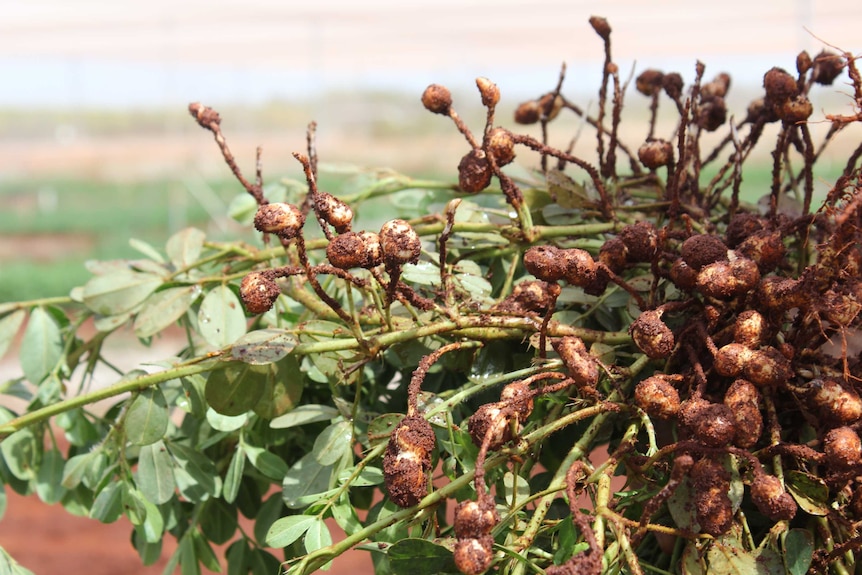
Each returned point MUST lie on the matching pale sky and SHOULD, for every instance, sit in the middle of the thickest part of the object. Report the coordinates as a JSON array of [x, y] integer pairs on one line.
[[158, 52]]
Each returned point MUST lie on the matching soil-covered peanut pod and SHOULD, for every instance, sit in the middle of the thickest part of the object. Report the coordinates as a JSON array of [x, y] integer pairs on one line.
[[281, 219], [475, 518], [672, 84], [771, 499], [778, 294], [546, 263], [842, 447], [703, 249], [399, 243], [258, 292], [407, 461], [827, 67], [767, 367], [437, 99], [765, 247], [580, 365], [712, 424], [496, 417], [529, 296], [641, 241], [655, 154], [742, 226], [580, 267], [794, 111], [474, 172], [727, 280], [712, 113], [614, 254], [837, 404], [501, 146], [730, 359], [489, 91], [657, 396], [683, 275], [713, 508], [334, 211], [652, 335], [743, 399], [649, 82], [749, 328], [355, 250], [780, 86], [519, 397], [528, 112], [473, 555]]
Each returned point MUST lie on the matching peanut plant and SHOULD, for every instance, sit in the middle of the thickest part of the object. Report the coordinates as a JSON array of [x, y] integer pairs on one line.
[[459, 389]]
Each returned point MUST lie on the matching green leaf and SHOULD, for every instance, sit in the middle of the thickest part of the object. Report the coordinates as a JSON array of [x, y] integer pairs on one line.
[[146, 249], [50, 476], [345, 515], [798, 551], [198, 472], [809, 491], [108, 505], [263, 563], [134, 505], [9, 327], [119, 292], [147, 418], [225, 423], [21, 454], [367, 477], [728, 557], [305, 481], [155, 476], [189, 564], [267, 514], [318, 537], [221, 319], [517, 488], [333, 442], [302, 414], [382, 426], [267, 463], [235, 389], [163, 308], [415, 556], [204, 552], [184, 247], [218, 521], [237, 558], [283, 388], [8, 565], [233, 477], [681, 507], [76, 468], [263, 346], [41, 347], [148, 552], [288, 529]]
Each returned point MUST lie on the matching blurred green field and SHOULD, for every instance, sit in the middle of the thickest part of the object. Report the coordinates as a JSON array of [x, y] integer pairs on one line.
[[49, 228]]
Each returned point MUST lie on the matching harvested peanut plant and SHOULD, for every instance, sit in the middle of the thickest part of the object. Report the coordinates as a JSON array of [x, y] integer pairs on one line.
[[612, 364]]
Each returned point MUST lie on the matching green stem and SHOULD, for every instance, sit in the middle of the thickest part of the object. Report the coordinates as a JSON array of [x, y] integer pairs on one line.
[[558, 482], [138, 383], [16, 305]]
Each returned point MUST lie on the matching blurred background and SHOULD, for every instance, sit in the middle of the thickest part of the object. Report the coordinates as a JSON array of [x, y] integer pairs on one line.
[[96, 145]]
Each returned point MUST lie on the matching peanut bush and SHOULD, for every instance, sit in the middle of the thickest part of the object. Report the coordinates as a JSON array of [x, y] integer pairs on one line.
[[607, 365]]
